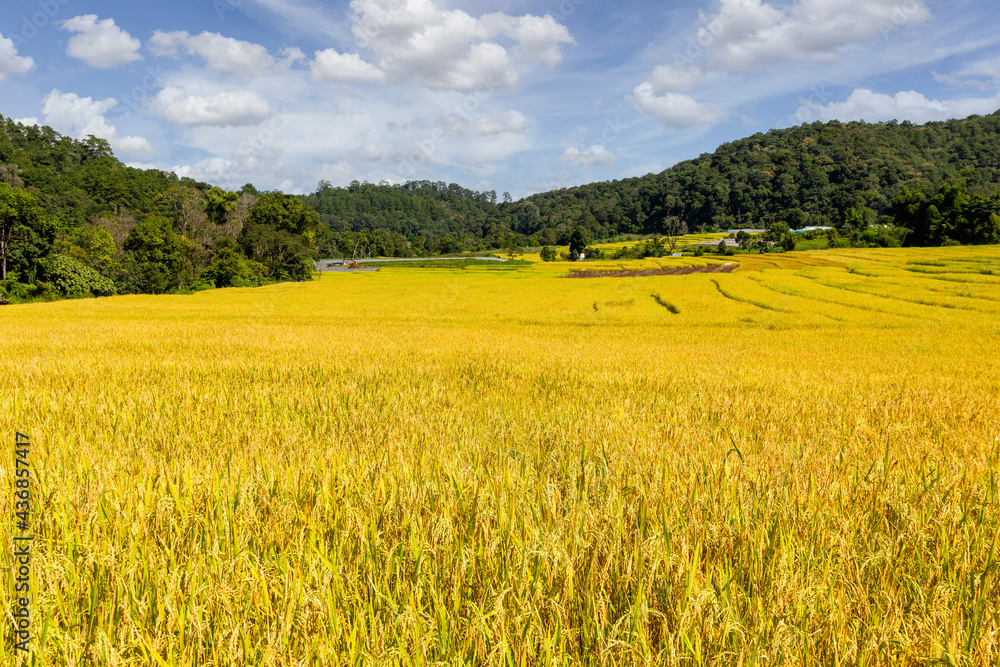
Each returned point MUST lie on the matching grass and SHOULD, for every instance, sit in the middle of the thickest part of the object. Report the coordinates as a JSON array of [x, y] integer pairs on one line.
[[796, 463]]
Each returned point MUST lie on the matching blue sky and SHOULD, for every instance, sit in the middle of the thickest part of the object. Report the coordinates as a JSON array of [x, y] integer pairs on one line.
[[516, 97]]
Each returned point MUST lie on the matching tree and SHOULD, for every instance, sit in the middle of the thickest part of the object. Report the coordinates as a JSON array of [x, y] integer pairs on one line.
[[578, 241], [284, 212], [548, 254], [230, 268], [778, 235], [11, 175], [673, 229], [218, 203], [280, 233], [19, 211], [185, 206], [153, 256], [94, 247], [73, 277]]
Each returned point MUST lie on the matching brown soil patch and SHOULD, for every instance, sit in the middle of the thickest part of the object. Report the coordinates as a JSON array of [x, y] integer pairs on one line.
[[716, 268]]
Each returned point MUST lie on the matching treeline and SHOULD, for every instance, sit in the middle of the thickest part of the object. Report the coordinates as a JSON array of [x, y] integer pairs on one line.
[[850, 176], [76, 221], [415, 219], [832, 174]]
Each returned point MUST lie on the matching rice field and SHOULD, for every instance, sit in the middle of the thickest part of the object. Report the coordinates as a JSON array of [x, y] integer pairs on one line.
[[792, 464]]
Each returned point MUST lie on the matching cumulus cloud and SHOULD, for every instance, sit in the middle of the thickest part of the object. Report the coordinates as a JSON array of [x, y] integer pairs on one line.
[[225, 55], [100, 44], [746, 34], [237, 108], [910, 105], [675, 78], [675, 110], [329, 65], [596, 155], [10, 62], [81, 116], [452, 50]]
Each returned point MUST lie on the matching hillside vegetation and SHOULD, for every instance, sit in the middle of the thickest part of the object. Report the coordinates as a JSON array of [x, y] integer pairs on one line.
[[74, 220], [852, 176], [820, 174]]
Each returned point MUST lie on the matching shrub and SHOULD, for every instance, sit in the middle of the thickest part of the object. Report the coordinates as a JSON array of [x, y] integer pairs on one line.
[[71, 276], [231, 269]]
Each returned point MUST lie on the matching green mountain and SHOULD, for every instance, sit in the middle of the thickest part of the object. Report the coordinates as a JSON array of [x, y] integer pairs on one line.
[[808, 175], [846, 175]]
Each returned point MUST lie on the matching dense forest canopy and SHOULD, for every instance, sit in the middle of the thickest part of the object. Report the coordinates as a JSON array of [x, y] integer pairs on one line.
[[808, 175], [846, 175], [75, 220]]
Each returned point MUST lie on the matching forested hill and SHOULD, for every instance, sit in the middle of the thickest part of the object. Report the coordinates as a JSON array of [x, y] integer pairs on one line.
[[419, 216], [76, 221], [807, 175], [75, 180], [847, 175]]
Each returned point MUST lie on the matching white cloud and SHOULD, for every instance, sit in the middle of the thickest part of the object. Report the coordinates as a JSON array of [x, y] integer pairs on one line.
[[100, 44], [10, 62], [537, 37], [675, 110], [675, 78], [28, 122], [982, 74], [451, 50], [746, 34], [367, 153], [909, 105], [499, 122], [210, 170], [226, 109], [81, 116], [596, 155], [341, 173], [225, 55], [347, 67], [291, 55]]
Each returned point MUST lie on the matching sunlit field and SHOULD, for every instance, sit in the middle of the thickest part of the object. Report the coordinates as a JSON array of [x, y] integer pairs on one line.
[[793, 464]]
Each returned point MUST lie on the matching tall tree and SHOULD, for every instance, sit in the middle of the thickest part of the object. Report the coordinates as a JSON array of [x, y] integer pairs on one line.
[[673, 229], [19, 211]]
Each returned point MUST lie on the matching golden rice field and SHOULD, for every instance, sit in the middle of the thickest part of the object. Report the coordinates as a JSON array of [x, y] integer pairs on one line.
[[792, 464]]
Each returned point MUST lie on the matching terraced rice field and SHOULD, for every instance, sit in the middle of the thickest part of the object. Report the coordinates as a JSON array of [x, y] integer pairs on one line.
[[795, 463]]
